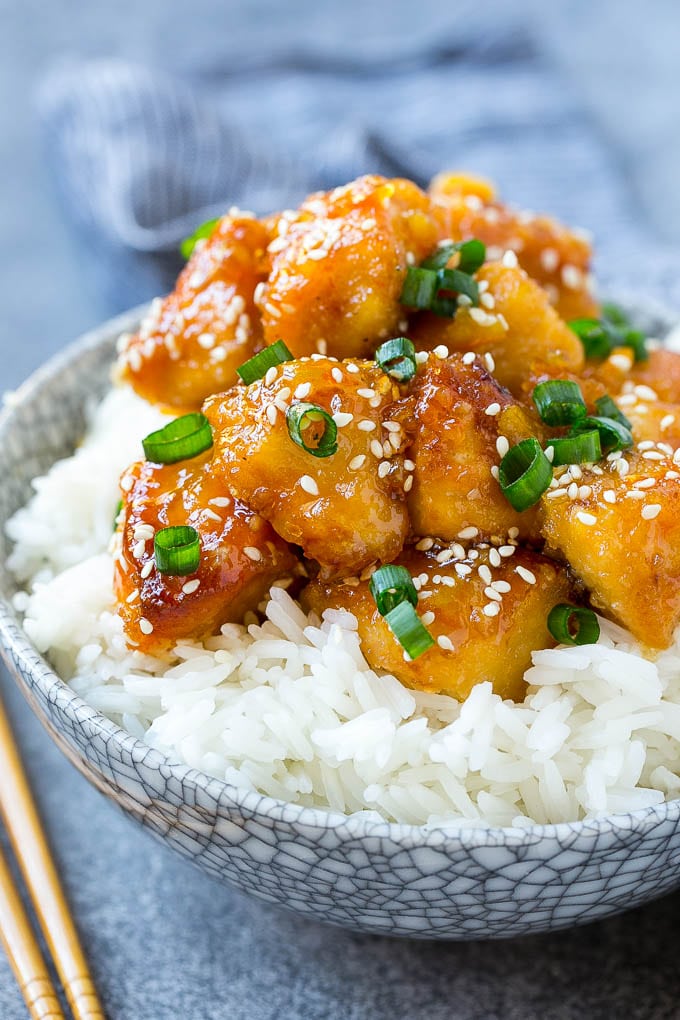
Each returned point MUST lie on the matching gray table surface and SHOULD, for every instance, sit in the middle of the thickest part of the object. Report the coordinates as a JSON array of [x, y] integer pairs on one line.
[[164, 941]]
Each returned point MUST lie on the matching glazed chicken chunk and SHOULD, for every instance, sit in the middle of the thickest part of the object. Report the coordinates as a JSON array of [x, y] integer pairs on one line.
[[346, 509], [460, 421], [515, 323], [339, 264], [241, 556], [485, 608], [621, 536], [192, 342]]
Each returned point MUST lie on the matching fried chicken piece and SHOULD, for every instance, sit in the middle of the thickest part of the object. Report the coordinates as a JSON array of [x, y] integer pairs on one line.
[[481, 632], [660, 373], [339, 266], [192, 341], [621, 536], [345, 510], [241, 555], [456, 414], [557, 257], [516, 325]]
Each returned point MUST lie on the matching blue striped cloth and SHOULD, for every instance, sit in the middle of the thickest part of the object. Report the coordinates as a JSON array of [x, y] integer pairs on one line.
[[142, 157]]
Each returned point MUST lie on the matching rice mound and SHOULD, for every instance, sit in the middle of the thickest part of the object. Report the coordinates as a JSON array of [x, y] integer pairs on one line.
[[289, 707]]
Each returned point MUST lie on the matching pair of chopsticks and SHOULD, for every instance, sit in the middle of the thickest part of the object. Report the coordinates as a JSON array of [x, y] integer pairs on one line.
[[32, 854]]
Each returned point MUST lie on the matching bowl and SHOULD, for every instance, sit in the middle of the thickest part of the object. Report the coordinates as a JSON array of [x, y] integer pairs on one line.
[[369, 876]]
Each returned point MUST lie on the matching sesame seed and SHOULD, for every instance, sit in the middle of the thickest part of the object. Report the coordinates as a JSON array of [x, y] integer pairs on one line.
[[309, 485], [365, 425], [572, 277], [428, 618], [272, 414], [651, 511], [635, 494], [366, 392], [671, 475], [506, 550], [502, 446], [509, 260], [491, 609], [492, 409], [421, 357], [133, 596], [464, 301], [484, 573], [138, 549], [409, 465], [206, 341], [550, 259], [666, 422], [501, 586], [302, 391], [408, 483], [424, 544], [322, 346], [220, 501], [575, 471], [489, 359], [653, 455], [212, 515], [146, 569], [513, 532], [468, 533], [462, 569], [383, 468], [392, 426], [584, 492], [494, 558], [446, 643], [622, 362], [270, 375], [622, 467], [495, 472], [191, 586], [441, 352], [126, 483], [352, 368], [492, 594], [395, 441], [376, 449], [481, 317], [646, 393], [357, 462], [342, 418], [585, 518], [145, 626], [488, 301], [645, 483], [556, 493], [526, 575], [609, 496], [251, 551], [469, 357]]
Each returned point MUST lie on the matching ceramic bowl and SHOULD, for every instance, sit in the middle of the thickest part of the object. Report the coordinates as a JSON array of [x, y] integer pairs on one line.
[[374, 877]]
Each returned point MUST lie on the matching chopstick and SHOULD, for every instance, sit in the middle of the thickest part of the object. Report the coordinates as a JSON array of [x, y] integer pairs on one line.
[[23, 952], [30, 848]]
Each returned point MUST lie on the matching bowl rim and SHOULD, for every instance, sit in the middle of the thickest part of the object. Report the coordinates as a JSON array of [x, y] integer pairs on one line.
[[16, 648]]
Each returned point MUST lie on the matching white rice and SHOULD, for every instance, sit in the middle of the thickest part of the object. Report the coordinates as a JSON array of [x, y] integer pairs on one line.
[[291, 708]]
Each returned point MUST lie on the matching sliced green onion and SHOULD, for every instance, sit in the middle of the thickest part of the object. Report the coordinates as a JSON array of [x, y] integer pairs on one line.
[[312, 428], [409, 630], [459, 282], [609, 409], [420, 287], [613, 313], [397, 358], [189, 243], [573, 625], [559, 401], [257, 366], [593, 335], [177, 550], [390, 585], [180, 439], [116, 515], [472, 255], [636, 339], [613, 435], [444, 306], [524, 474], [584, 448]]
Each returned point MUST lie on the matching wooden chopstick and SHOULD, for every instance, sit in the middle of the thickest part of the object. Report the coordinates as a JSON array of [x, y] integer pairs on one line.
[[40, 875], [24, 953]]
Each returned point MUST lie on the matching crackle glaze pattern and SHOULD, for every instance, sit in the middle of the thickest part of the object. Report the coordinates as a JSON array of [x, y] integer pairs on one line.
[[369, 876]]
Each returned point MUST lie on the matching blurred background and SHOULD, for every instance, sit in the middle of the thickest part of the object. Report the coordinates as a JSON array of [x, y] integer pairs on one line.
[[122, 126]]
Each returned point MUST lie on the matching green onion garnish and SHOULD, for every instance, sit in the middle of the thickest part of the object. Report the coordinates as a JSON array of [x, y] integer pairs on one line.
[[420, 287], [583, 448], [409, 630], [180, 439], [423, 284], [397, 358], [573, 625], [313, 429], [524, 474], [613, 434], [177, 550], [116, 515], [189, 243], [258, 366], [609, 409], [390, 585], [600, 336], [472, 256], [559, 401]]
